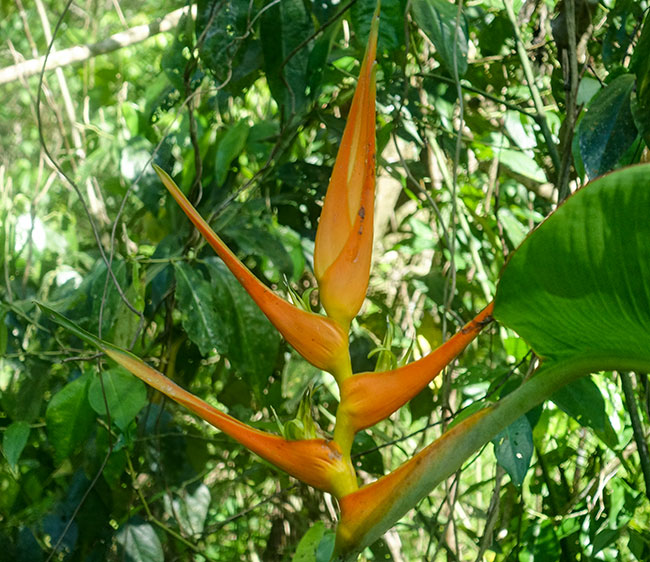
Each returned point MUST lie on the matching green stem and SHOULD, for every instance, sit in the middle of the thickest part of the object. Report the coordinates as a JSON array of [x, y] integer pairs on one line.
[[637, 429], [395, 494], [534, 92]]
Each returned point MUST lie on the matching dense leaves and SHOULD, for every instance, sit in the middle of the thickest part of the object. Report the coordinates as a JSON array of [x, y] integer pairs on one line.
[[244, 104]]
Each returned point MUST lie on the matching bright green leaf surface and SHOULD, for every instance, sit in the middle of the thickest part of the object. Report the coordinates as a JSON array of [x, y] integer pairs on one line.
[[608, 129], [579, 287], [125, 396], [69, 417], [437, 18], [14, 441]]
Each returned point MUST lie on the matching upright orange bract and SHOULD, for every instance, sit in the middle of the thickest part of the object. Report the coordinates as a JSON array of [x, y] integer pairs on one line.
[[343, 250]]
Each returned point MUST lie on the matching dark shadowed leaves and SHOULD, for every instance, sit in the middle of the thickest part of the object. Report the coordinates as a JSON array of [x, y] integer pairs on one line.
[[608, 129]]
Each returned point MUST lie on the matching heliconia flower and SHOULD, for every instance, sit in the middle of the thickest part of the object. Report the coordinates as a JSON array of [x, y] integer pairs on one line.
[[368, 398], [317, 462], [319, 339], [367, 513], [343, 250]]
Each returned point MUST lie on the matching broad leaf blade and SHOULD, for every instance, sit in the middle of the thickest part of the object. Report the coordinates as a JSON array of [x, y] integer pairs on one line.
[[578, 288]]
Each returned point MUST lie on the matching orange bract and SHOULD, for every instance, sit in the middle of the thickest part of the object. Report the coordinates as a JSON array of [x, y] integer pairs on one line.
[[343, 250], [371, 397], [318, 339], [316, 462]]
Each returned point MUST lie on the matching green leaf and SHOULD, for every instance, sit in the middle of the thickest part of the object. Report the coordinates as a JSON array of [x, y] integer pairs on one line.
[[391, 23], [608, 129], [284, 28], [584, 402], [14, 441], [69, 418], [437, 18], [230, 147], [226, 47], [316, 545], [253, 342], [199, 316], [140, 542], [513, 448], [190, 508], [578, 288], [125, 396]]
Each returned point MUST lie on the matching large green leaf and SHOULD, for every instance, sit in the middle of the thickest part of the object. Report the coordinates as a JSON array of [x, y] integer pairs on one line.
[[607, 130], [578, 288]]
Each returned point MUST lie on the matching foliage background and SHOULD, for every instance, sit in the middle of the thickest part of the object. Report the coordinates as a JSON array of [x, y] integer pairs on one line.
[[245, 106]]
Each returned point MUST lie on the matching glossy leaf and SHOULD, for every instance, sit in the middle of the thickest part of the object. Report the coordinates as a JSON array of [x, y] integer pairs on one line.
[[607, 130], [578, 288], [285, 25], [437, 18]]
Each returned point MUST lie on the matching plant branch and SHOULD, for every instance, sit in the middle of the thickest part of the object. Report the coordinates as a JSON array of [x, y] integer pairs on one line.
[[637, 428], [534, 92], [81, 53]]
